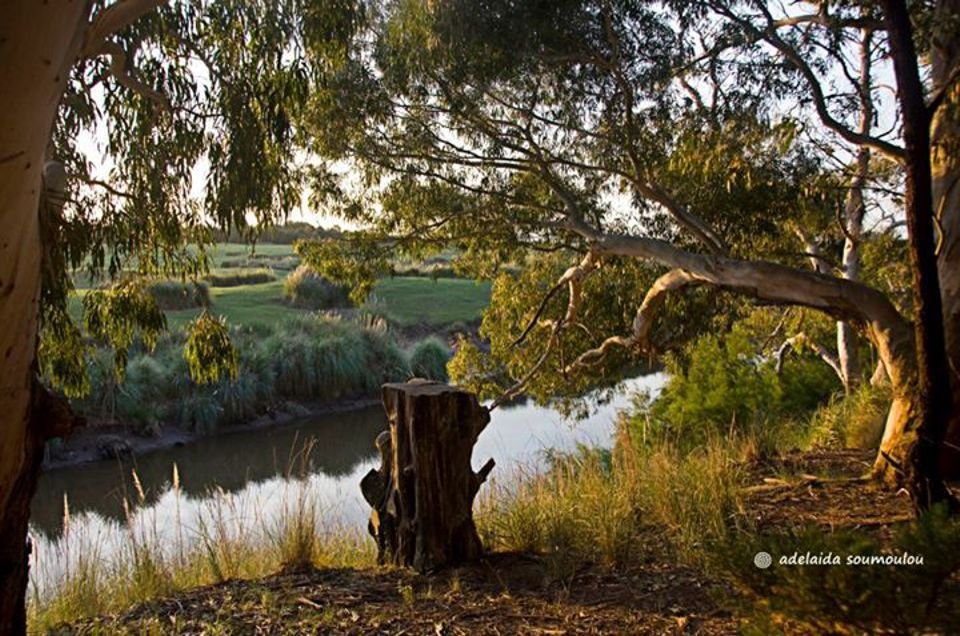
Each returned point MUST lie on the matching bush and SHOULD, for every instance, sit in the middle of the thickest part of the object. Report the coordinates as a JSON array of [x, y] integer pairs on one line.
[[429, 360], [172, 295], [306, 288], [726, 386], [239, 277]]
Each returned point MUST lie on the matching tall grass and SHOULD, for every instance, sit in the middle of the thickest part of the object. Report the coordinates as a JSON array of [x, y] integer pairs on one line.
[[605, 507], [93, 570], [312, 357]]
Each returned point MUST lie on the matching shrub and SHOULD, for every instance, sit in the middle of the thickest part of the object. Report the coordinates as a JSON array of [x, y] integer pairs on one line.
[[306, 288], [725, 386], [172, 295], [429, 360], [237, 277]]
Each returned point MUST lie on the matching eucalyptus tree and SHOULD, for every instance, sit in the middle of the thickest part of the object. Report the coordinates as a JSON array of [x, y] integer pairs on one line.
[[158, 87], [624, 153]]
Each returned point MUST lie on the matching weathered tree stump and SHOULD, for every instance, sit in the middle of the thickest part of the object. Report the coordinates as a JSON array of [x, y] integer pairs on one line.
[[422, 495]]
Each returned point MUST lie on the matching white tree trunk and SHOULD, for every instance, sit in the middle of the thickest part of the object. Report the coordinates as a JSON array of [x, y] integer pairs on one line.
[[38, 44]]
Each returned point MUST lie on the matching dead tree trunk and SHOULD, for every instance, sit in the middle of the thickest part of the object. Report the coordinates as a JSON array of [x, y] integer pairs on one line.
[[422, 496]]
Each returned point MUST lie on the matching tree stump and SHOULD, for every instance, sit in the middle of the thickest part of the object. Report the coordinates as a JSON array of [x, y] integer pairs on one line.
[[422, 495]]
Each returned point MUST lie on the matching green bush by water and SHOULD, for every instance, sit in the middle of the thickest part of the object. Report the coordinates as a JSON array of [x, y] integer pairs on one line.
[[309, 357], [725, 387], [429, 360]]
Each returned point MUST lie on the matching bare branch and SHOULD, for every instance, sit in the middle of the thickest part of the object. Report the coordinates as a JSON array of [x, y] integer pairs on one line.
[[113, 19], [120, 69], [800, 340], [642, 322]]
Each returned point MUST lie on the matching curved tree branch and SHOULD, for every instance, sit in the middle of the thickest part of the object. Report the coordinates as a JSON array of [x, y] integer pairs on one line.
[[113, 19], [772, 282], [642, 322], [120, 69]]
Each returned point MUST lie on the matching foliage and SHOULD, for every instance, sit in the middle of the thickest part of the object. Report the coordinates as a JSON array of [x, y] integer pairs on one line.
[[850, 598], [498, 134], [306, 288], [725, 386], [429, 360], [209, 352], [238, 115], [116, 316]]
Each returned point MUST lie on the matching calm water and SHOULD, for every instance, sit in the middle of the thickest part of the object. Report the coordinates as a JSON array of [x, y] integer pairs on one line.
[[251, 467]]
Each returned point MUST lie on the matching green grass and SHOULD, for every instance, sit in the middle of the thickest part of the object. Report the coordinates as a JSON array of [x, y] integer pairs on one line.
[[406, 300], [443, 301], [242, 305]]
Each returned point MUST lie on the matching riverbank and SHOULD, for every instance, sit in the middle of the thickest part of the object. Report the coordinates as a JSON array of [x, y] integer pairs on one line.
[[106, 442], [579, 549]]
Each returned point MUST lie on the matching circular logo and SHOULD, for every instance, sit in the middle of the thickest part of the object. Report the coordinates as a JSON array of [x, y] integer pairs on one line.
[[762, 560]]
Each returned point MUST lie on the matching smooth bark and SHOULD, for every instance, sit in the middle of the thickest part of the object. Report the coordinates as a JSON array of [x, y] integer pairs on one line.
[[39, 42]]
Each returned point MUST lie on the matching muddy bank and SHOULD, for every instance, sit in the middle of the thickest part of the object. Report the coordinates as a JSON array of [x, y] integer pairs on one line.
[[99, 441]]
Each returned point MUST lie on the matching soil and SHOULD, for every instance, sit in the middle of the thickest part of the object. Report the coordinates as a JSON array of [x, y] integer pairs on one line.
[[504, 594], [824, 489]]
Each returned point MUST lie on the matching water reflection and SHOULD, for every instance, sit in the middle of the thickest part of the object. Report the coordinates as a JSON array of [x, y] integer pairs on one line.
[[254, 462], [231, 461]]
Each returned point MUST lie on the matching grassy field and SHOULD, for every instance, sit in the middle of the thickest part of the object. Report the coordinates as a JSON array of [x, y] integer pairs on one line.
[[406, 300], [435, 302]]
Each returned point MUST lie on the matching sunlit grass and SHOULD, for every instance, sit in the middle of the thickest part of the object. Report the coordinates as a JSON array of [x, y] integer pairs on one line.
[[97, 574], [616, 508]]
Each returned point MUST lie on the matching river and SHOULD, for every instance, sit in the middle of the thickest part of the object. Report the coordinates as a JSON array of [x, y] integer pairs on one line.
[[253, 467]]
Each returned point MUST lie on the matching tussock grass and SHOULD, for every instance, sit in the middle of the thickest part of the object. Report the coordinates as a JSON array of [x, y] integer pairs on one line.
[[306, 288], [173, 294], [429, 360], [240, 276], [311, 357]]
